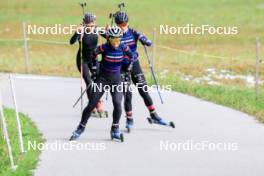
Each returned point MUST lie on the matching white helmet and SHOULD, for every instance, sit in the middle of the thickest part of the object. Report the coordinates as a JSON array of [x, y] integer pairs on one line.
[[114, 32]]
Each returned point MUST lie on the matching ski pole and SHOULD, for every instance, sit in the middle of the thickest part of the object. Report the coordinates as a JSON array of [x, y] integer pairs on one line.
[[80, 97], [121, 6], [82, 6], [81, 50], [153, 74], [81, 69], [81, 82], [112, 16]]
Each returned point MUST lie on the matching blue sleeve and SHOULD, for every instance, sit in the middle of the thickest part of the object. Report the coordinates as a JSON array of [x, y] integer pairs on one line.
[[99, 50], [142, 38], [127, 53]]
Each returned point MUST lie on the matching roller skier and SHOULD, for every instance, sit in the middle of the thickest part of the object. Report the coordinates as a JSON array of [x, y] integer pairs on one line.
[[113, 55], [131, 38], [88, 40]]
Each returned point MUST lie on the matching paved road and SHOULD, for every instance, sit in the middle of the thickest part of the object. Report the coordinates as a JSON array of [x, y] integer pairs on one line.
[[240, 139]]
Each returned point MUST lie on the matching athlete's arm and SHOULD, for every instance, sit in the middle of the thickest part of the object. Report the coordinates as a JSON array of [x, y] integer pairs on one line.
[[98, 50], [142, 38], [103, 32], [77, 35], [130, 56], [74, 38]]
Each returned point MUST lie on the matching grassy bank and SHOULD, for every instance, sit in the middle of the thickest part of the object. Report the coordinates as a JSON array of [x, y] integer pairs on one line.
[[242, 99], [54, 59], [26, 162]]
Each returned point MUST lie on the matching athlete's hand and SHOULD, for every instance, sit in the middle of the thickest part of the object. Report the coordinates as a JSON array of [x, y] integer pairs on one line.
[[129, 68], [145, 41], [127, 77], [80, 28]]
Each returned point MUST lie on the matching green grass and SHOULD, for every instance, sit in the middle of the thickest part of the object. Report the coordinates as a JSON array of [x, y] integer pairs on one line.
[[26, 162], [242, 99], [59, 60]]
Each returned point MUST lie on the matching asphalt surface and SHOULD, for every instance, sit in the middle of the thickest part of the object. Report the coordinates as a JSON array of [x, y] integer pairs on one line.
[[208, 139]]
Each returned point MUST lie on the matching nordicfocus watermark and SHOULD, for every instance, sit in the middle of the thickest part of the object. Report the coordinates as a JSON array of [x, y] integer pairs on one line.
[[190, 29], [59, 145], [203, 145], [124, 87], [59, 29]]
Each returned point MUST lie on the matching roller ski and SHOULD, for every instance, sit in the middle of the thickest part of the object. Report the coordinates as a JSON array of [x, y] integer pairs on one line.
[[116, 134], [101, 114], [129, 124], [160, 121], [77, 133], [95, 114]]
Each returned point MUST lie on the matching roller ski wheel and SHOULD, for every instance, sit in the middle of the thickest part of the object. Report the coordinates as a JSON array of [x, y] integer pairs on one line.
[[172, 124], [119, 136], [129, 124], [149, 120], [77, 133], [103, 114], [116, 134], [160, 121], [95, 114]]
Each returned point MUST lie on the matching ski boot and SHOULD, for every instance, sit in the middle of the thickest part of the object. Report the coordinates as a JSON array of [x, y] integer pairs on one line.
[[155, 119], [116, 134], [129, 124], [77, 133]]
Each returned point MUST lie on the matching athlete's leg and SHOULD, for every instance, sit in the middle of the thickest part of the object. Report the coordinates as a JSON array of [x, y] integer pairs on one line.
[[126, 83], [95, 97], [117, 100], [128, 102], [139, 80]]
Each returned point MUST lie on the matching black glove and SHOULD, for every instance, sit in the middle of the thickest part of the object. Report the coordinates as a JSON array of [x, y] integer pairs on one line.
[[129, 68], [126, 77]]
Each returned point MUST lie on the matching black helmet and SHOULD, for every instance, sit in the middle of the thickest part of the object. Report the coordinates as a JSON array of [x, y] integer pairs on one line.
[[89, 17], [114, 32], [121, 17]]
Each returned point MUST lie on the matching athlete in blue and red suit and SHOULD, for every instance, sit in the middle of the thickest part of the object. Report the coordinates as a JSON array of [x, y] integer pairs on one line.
[[113, 55], [131, 38]]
